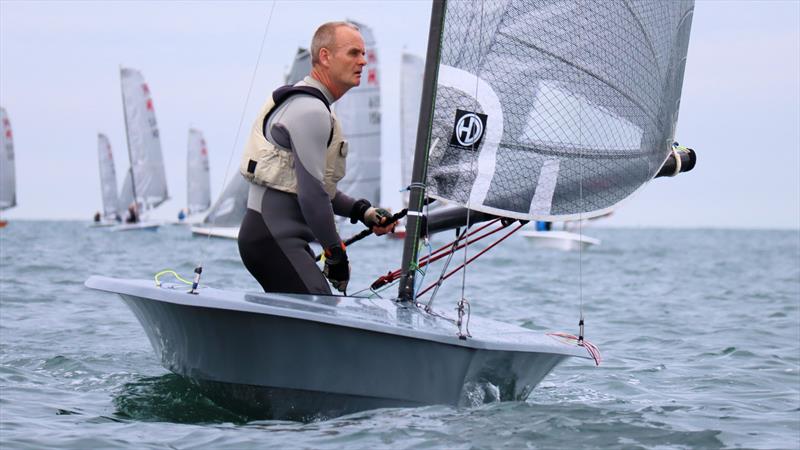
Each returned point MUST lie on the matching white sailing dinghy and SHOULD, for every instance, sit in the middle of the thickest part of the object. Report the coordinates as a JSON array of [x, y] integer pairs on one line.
[[198, 179], [8, 181], [225, 216], [145, 183], [108, 183], [491, 136], [562, 236], [559, 240]]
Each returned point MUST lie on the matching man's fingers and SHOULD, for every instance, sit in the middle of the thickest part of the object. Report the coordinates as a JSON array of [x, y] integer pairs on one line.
[[383, 230]]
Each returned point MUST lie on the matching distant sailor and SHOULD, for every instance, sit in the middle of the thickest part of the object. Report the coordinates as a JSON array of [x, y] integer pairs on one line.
[[97, 217], [294, 157], [132, 216], [181, 215]]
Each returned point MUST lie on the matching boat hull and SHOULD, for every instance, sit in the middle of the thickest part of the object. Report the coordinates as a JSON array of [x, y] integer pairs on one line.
[[218, 232], [139, 226], [322, 363], [560, 240]]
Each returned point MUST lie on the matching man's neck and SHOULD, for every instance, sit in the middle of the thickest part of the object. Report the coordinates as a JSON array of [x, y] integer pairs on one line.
[[336, 91]]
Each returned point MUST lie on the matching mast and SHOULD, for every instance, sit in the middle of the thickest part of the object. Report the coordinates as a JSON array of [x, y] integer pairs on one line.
[[419, 170], [128, 140]]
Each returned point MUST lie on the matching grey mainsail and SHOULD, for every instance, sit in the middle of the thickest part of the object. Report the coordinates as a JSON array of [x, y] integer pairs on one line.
[[301, 66], [555, 110], [108, 178], [230, 207], [360, 115], [198, 177], [8, 182], [149, 181], [411, 72]]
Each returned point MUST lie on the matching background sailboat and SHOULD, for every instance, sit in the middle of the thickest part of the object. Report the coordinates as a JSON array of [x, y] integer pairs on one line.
[[8, 182], [225, 216], [198, 177], [108, 183], [145, 183]]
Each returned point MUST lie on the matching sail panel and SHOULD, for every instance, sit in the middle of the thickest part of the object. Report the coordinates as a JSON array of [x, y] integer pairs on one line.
[[8, 182], [551, 110], [108, 177], [301, 66], [144, 143], [230, 207], [360, 115], [198, 177]]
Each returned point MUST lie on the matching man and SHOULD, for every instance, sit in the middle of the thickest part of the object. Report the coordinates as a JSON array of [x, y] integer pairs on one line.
[[294, 157]]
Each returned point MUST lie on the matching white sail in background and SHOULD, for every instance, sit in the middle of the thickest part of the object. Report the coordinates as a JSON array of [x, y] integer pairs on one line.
[[108, 178], [8, 182], [360, 115], [301, 66], [144, 146], [198, 178], [555, 110], [411, 73]]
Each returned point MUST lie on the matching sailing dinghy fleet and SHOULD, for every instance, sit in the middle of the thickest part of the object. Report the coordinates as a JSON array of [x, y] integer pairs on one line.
[[529, 111]]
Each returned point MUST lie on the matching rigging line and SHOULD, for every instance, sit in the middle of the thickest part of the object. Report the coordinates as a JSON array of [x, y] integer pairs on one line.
[[580, 229], [239, 127], [438, 284]]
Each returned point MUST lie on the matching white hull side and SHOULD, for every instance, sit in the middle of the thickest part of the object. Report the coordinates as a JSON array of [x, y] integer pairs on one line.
[[219, 232], [560, 240]]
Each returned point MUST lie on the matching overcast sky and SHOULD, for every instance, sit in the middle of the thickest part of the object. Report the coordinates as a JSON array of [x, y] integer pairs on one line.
[[59, 82]]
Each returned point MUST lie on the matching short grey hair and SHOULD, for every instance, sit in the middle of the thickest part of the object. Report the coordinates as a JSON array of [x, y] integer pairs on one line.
[[324, 37]]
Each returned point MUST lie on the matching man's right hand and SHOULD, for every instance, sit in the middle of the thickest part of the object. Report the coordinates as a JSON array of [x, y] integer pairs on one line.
[[337, 267]]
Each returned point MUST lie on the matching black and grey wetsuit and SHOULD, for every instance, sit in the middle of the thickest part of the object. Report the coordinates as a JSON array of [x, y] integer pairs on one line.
[[278, 226]]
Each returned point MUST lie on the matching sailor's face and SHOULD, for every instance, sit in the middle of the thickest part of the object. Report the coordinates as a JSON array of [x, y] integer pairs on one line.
[[347, 57]]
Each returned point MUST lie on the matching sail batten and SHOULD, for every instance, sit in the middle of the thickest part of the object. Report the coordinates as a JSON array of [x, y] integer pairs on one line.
[[528, 86]]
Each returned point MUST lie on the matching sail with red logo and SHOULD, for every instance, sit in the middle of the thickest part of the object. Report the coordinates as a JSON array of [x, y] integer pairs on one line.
[[198, 177], [146, 179]]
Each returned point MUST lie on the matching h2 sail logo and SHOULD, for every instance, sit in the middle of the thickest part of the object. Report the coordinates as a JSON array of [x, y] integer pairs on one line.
[[468, 129]]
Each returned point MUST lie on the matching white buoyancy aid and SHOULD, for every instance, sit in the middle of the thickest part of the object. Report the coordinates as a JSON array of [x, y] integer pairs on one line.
[[269, 165]]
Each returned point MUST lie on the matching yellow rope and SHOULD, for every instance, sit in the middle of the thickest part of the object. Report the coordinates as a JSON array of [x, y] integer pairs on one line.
[[175, 274]]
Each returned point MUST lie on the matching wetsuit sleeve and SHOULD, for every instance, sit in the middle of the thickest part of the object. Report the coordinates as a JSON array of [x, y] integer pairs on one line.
[[306, 123], [342, 204]]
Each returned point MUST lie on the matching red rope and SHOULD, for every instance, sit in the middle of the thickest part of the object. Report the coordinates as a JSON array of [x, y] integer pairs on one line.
[[473, 258], [594, 352], [437, 254]]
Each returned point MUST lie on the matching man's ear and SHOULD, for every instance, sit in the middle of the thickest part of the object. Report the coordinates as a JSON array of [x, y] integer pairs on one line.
[[324, 57]]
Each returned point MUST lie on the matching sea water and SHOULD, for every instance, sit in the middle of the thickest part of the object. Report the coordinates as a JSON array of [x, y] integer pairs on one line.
[[699, 332]]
